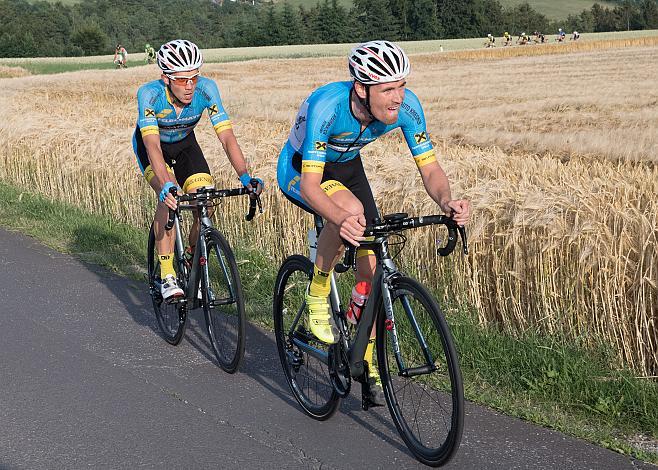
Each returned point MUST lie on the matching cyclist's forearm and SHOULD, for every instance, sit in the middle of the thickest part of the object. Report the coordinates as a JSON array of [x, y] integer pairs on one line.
[[233, 151], [437, 185]]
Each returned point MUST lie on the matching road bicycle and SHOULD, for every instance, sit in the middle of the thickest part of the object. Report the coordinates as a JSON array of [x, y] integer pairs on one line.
[[210, 278], [416, 356]]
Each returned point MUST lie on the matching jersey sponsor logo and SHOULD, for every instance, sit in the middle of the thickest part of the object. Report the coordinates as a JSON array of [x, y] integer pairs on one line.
[[326, 125], [411, 112], [213, 110], [420, 137], [352, 147], [331, 186], [299, 121], [164, 113], [293, 182], [298, 130], [320, 145], [148, 112]]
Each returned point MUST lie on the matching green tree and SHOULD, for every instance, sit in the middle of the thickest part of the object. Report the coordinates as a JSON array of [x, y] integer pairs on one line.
[[458, 18], [523, 18], [423, 21], [90, 39], [649, 11], [375, 20], [291, 27]]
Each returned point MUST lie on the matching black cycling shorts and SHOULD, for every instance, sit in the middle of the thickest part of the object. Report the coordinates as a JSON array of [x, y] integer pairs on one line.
[[184, 157], [352, 175]]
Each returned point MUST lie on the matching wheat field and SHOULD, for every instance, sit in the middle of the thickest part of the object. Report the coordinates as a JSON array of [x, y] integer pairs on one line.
[[557, 153]]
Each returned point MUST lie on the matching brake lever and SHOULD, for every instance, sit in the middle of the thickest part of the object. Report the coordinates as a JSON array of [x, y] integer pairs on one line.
[[462, 234]]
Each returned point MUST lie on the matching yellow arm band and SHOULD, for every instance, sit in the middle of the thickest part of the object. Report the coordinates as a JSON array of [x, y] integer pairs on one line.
[[310, 166], [425, 158], [222, 126], [150, 130]]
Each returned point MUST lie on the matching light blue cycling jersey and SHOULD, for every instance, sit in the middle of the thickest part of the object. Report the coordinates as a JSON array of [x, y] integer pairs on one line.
[[158, 116], [326, 130]]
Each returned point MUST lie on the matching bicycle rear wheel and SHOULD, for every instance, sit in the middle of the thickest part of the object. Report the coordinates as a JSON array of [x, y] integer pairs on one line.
[[223, 303], [422, 385], [307, 375], [171, 316]]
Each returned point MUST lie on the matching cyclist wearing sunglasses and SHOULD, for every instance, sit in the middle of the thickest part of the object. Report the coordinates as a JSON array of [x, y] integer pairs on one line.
[[167, 151]]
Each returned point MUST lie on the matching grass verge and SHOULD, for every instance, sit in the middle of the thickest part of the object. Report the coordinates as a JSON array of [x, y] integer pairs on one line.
[[545, 380]]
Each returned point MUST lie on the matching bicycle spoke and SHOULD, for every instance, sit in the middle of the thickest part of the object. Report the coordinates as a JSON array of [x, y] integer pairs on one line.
[[307, 376], [428, 405], [223, 303]]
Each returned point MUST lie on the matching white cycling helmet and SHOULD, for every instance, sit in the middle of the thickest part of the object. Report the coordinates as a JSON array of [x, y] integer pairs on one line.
[[179, 55], [378, 62]]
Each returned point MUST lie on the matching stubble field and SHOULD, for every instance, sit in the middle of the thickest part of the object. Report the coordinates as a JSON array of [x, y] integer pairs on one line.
[[557, 153]]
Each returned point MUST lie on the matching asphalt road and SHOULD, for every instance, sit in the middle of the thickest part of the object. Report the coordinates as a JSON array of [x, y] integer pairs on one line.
[[86, 381]]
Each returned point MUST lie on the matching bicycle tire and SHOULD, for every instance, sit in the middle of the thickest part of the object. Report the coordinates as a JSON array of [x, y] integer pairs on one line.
[[427, 408], [223, 303], [172, 318], [307, 376]]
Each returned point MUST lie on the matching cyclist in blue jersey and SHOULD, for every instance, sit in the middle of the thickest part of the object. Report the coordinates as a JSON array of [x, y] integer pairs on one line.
[[166, 148], [320, 168]]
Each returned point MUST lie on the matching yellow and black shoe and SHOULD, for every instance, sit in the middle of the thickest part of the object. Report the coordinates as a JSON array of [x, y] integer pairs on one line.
[[320, 319], [376, 396]]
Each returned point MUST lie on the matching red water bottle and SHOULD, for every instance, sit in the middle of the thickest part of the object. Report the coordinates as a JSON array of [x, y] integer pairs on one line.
[[360, 294]]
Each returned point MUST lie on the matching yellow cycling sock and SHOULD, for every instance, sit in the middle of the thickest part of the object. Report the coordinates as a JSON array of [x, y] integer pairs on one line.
[[369, 350], [372, 368], [167, 265], [321, 283]]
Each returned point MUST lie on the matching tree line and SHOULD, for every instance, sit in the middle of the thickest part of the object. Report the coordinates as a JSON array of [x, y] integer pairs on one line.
[[94, 27]]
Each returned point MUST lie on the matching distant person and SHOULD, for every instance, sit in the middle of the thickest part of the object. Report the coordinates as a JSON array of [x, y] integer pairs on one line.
[[491, 41], [507, 39], [150, 53], [561, 35], [120, 57], [523, 39], [575, 36]]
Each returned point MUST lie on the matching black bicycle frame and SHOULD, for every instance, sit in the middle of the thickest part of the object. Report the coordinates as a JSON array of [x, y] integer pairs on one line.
[[385, 271], [200, 255]]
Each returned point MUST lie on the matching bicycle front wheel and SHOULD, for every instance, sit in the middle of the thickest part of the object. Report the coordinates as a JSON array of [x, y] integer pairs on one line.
[[223, 303], [171, 316], [421, 376], [300, 352]]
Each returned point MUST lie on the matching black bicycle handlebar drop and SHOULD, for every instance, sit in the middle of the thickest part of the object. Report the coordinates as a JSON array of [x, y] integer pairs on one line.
[[203, 195], [253, 201], [398, 222], [172, 213]]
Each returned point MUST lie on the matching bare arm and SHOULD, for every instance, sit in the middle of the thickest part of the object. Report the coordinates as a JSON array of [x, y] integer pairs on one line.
[[156, 160], [233, 151], [438, 187]]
